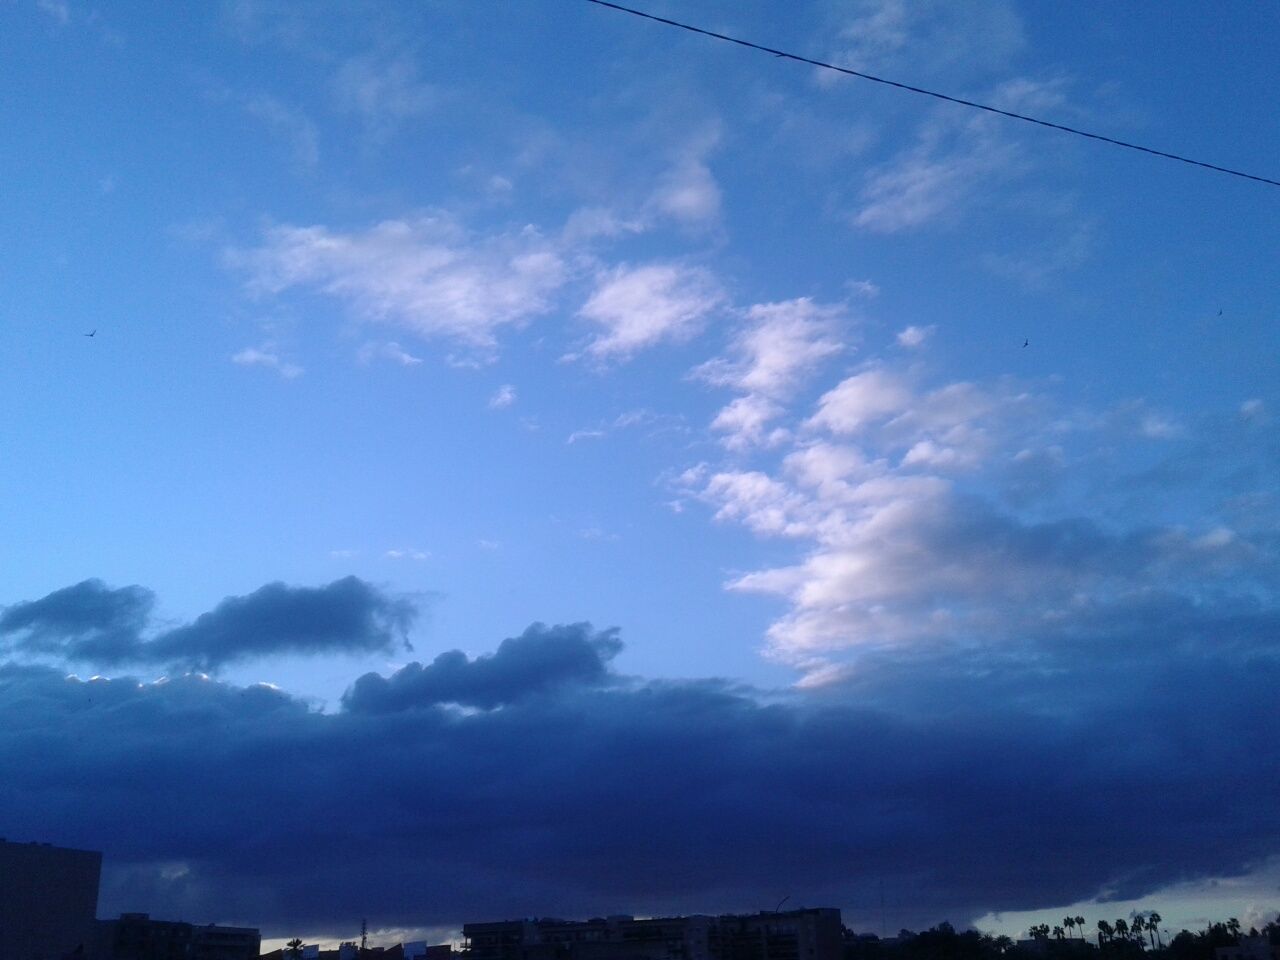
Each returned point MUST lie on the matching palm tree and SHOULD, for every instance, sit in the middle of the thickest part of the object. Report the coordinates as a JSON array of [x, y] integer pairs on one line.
[[1153, 923], [1122, 928], [1151, 929], [1057, 933], [1233, 925], [294, 947], [1104, 932], [1080, 924]]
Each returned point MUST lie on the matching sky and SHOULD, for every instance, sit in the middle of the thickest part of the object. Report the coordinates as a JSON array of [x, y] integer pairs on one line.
[[476, 460]]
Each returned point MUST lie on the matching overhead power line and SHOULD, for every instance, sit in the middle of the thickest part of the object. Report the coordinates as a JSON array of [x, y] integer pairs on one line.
[[935, 94]]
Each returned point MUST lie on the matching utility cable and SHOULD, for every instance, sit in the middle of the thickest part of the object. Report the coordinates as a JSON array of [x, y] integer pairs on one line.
[[935, 94]]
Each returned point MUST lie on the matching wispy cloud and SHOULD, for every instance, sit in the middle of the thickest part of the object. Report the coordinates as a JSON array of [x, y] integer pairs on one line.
[[383, 94], [290, 125], [407, 553], [58, 10], [956, 158], [928, 38], [427, 275], [688, 192], [1254, 410], [912, 337], [266, 355], [389, 350], [503, 397], [631, 419]]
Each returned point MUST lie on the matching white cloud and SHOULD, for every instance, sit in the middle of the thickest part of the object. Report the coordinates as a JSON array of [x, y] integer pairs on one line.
[[1254, 410], [779, 346], [745, 423], [407, 554], [1157, 427], [857, 401], [688, 192], [266, 356], [590, 223], [641, 307], [390, 350], [913, 336], [927, 453], [880, 494], [503, 397], [758, 501], [425, 275]]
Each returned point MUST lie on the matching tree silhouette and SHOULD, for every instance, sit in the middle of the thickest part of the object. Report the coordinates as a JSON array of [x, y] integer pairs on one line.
[[1153, 924], [294, 947], [1104, 932]]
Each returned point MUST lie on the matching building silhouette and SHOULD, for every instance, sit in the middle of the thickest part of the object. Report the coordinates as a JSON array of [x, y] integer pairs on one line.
[[814, 934], [48, 900], [48, 909], [135, 936]]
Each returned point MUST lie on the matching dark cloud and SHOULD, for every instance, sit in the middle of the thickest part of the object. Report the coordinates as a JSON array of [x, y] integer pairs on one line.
[[88, 621], [91, 623], [539, 660], [967, 780], [348, 615]]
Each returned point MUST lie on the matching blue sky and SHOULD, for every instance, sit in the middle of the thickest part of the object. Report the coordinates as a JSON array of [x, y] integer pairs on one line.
[[542, 313]]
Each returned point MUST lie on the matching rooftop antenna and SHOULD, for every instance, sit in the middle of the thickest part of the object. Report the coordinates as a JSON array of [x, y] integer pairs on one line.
[[781, 902], [364, 935]]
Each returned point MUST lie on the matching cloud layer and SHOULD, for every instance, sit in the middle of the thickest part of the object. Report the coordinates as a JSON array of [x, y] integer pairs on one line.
[[966, 781]]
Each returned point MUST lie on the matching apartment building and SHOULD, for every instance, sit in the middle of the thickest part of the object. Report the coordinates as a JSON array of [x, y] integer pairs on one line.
[[48, 900]]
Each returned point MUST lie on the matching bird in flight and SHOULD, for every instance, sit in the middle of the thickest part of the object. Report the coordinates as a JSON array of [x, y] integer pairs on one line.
[[92, 333], [1026, 343]]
